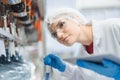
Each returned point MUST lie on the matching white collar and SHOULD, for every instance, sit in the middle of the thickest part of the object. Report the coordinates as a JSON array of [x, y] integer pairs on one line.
[[96, 32]]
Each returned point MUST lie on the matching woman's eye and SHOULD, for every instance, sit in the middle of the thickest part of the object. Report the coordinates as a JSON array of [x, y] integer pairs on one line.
[[61, 24], [54, 34]]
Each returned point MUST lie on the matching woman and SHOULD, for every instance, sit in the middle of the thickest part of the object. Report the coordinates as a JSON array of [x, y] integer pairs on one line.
[[68, 26]]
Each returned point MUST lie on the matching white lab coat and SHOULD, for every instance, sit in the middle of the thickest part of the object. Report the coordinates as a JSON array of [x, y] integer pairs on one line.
[[106, 36]]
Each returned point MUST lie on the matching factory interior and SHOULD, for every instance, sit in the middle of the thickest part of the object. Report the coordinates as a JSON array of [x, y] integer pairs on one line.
[[25, 41]]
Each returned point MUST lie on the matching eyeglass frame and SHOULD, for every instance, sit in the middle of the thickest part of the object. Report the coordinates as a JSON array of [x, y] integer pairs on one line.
[[58, 26]]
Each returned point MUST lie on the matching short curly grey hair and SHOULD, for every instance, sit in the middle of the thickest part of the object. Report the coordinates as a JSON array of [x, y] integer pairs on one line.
[[65, 13]]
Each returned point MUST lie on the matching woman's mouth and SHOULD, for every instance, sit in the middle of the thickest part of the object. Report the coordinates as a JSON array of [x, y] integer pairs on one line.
[[66, 38]]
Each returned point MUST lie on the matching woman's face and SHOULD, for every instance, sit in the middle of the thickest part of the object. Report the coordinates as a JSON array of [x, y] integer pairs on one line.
[[66, 31]]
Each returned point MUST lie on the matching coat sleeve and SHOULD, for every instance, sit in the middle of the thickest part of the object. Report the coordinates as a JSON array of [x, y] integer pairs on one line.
[[77, 73]]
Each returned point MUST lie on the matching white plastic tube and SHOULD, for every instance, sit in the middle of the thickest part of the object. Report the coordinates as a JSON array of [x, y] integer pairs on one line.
[[48, 72], [12, 2]]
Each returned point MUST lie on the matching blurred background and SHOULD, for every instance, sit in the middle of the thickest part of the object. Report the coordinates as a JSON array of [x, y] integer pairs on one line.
[[24, 36]]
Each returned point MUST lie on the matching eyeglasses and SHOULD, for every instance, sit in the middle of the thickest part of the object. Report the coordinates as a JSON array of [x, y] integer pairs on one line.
[[60, 25]]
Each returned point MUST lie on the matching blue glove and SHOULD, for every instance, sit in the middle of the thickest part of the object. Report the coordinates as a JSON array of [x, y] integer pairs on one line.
[[107, 68], [55, 61]]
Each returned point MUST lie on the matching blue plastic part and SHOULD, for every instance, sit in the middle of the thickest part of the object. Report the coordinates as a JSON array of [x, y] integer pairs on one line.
[[47, 76], [107, 68]]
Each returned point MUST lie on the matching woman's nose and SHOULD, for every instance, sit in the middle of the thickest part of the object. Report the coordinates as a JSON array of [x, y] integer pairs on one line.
[[59, 35]]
